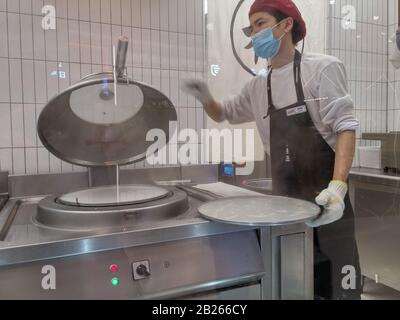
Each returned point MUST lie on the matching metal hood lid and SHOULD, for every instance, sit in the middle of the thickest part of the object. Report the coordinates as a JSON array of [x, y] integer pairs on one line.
[[83, 126]]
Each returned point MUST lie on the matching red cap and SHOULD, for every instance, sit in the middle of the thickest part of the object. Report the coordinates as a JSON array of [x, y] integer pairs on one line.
[[286, 7]]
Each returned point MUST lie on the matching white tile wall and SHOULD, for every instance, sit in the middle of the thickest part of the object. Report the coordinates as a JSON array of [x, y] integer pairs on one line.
[[166, 46], [364, 51]]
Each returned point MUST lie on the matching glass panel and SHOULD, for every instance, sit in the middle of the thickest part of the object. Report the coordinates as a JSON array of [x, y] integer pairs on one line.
[[325, 135]]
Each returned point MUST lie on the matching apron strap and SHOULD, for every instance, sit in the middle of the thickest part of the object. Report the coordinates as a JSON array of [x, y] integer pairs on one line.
[[270, 103], [297, 77]]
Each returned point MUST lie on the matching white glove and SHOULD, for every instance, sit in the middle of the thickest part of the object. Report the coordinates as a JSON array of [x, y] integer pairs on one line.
[[198, 89], [332, 199]]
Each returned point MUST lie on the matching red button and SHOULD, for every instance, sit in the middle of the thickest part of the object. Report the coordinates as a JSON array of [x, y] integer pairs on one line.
[[113, 268]]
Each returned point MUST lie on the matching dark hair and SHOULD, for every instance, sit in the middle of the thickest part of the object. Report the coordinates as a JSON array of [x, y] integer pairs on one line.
[[279, 16]]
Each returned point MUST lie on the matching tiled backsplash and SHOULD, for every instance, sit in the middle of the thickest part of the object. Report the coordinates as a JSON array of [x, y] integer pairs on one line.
[[362, 45], [166, 46]]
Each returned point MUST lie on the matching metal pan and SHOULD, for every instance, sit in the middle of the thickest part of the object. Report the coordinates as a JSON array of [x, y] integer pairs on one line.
[[259, 211]]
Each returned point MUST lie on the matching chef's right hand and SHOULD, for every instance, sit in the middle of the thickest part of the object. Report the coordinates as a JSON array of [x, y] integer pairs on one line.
[[332, 199], [198, 89]]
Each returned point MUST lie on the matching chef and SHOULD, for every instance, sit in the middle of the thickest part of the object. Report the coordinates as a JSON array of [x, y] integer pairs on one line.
[[306, 121]]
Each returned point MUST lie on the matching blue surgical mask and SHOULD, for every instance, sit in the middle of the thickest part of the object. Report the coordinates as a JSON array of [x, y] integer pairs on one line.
[[265, 44]]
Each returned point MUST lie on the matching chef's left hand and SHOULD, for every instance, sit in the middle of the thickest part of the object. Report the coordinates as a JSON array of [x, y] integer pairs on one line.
[[332, 199]]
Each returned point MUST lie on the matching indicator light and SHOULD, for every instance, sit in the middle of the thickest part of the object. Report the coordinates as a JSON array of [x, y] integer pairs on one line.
[[115, 282], [113, 268]]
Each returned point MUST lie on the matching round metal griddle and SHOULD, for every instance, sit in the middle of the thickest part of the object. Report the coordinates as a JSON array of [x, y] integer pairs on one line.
[[92, 124], [259, 211], [53, 214], [109, 196]]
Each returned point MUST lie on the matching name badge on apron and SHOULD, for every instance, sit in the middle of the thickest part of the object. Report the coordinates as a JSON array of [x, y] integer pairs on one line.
[[296, 110]]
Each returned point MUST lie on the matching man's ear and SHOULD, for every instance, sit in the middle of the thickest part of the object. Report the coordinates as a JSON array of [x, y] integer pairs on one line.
[[288, 24]]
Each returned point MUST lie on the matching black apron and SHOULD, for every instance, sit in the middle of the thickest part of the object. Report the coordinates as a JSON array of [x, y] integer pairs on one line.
[[302, 166]]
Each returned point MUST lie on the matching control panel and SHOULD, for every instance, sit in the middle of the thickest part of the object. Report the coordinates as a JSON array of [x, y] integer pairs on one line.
[[141, 270]]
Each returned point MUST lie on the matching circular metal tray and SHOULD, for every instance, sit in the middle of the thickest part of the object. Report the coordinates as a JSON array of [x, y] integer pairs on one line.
[[83, 126], [110, 196], [54, 215], [259, 211]]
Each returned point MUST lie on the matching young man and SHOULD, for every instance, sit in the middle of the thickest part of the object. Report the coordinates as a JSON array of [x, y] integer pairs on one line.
[[305, 118]]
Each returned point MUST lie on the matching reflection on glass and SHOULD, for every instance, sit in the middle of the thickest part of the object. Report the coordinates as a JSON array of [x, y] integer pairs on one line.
[[95, 103]]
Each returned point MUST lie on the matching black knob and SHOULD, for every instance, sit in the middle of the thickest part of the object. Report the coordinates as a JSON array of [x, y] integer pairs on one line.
[[142, 271]]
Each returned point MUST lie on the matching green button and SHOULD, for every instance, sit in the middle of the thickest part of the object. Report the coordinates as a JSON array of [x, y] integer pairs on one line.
[[115, 282]]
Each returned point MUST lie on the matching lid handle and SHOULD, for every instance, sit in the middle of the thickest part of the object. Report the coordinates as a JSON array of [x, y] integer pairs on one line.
[[120, 59]]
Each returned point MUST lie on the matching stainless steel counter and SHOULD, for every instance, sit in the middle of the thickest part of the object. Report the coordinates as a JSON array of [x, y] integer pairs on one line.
[[357, 173], [27, 242], [272, 262], [376, 199]]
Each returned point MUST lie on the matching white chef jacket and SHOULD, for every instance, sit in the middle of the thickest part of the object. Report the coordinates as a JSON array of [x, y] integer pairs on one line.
[[325, 89]]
